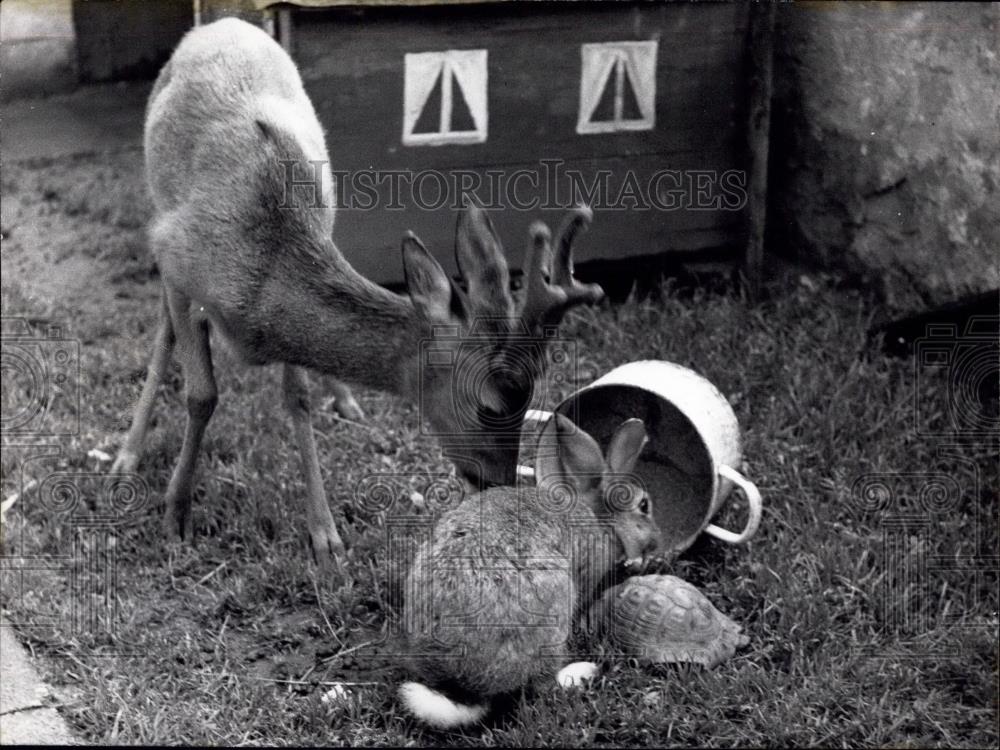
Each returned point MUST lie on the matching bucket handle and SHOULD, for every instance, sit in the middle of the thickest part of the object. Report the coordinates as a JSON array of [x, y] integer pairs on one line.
[[754, 503]]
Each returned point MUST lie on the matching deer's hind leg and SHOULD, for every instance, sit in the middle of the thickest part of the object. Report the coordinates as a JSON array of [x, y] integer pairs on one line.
[[201, 396], [127, 459]]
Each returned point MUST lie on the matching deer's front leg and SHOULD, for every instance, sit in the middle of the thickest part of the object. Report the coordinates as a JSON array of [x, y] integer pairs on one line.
[[327, 545]]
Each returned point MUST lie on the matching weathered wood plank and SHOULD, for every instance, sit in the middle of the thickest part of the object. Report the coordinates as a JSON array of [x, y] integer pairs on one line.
[[760, 50], [352, 64], [371, 238]]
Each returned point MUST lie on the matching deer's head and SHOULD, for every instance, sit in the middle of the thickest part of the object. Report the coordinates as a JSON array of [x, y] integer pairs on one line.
[[484, 353]]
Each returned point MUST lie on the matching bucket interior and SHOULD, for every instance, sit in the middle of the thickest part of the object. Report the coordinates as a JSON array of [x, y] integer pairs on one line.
[[675, 464]]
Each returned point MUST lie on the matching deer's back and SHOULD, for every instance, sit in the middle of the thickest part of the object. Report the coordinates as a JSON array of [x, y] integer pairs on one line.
[[227, 116], [221, 80]]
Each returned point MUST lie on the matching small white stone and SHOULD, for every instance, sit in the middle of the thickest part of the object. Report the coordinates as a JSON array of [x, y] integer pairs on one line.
[[577, 673], [99, 455], [336, 694]]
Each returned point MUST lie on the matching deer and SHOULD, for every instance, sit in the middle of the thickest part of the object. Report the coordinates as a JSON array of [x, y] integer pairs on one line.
[[242, 261]]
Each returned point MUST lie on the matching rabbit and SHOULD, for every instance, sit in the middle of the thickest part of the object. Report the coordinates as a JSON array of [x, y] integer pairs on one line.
[[495, 591]]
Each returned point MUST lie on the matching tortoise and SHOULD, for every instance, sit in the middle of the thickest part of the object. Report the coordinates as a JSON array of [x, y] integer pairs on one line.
[[662, 618]]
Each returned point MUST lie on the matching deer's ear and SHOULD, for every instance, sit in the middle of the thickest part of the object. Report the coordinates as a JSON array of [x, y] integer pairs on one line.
[[569, 457], [626, 445], [429, 287]]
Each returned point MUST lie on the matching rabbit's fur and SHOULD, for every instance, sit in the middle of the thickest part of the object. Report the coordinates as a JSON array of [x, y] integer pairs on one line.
[[496, 590]]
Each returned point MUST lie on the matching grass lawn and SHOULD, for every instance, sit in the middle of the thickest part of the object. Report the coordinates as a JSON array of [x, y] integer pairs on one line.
[[869, 594]]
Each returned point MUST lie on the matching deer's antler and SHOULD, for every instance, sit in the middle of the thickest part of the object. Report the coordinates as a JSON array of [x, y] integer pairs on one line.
[[480, 260], [552, 290]]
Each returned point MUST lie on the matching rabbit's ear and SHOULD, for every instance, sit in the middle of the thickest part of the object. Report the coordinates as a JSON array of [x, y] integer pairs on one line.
[[567, 455], [626, 445]]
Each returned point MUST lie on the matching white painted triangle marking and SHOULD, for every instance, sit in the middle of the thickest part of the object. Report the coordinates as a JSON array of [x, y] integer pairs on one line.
[[421, 72], [635, 61]]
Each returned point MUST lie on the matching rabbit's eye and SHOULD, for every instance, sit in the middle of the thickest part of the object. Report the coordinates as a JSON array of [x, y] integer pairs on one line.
[[644, 505]]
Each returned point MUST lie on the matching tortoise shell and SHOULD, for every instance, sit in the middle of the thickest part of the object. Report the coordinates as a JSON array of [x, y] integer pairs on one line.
[[662, 618]]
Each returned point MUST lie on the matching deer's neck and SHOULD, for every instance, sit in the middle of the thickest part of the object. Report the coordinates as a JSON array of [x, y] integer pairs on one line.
[[355, 330]]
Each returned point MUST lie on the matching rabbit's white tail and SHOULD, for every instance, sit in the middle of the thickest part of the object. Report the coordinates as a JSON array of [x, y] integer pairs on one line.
[[437, 709]]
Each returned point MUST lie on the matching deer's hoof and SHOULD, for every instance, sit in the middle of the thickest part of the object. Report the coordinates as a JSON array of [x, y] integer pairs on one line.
[[177, 525], [348, 408], [328, 548]]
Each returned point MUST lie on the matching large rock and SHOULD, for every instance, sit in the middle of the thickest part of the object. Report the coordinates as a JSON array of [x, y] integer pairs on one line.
[[886, 144]]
